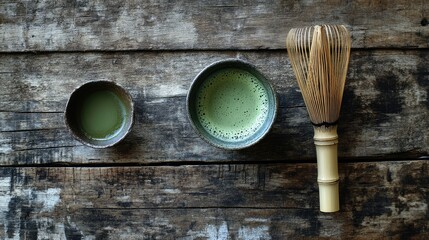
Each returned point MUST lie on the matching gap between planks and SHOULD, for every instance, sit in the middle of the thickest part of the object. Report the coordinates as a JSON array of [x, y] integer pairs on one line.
[[126, 51], [185, 208], [200, 163]]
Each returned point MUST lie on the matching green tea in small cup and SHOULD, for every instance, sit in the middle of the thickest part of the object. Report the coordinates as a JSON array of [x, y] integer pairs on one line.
[[103, 115], [231, 104], [99, 114]]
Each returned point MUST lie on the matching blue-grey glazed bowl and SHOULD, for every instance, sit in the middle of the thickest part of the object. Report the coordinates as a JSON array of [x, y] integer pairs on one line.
[[74, 108], [196, 122]]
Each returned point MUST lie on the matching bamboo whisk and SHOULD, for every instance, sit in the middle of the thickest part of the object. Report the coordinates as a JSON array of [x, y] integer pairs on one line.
[[319, 57]]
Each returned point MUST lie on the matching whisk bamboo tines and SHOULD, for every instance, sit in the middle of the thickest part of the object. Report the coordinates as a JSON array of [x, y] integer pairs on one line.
[[319, 57]]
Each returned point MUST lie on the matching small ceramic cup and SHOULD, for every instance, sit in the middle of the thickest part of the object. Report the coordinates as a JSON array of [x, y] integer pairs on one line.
[[231, 105], [99, 114]]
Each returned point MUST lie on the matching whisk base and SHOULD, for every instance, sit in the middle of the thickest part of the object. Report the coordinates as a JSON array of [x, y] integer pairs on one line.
[[326, 141]]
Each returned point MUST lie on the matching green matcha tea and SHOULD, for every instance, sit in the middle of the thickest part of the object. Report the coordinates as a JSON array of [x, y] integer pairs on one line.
[[103, 115], [232, 104]]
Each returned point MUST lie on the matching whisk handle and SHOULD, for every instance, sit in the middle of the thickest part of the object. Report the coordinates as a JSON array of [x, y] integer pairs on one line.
[[326, 141]]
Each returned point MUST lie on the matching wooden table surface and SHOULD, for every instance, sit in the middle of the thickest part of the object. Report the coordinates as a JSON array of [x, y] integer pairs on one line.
[[163, 181]]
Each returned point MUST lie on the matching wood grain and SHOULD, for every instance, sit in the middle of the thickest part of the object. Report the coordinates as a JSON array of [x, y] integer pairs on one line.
[[385, 110], [82, 25], [163, 181], [270, 201]]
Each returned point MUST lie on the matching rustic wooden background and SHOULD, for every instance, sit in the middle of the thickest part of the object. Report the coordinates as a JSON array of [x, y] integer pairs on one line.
[[163, 181]]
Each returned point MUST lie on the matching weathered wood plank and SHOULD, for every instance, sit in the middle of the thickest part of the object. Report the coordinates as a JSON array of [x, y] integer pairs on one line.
[[385, 111], [128, 25], [277, 201]]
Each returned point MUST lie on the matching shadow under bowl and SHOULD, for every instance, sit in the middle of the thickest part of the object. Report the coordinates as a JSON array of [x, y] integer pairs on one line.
[[231, 105], [99, 114]]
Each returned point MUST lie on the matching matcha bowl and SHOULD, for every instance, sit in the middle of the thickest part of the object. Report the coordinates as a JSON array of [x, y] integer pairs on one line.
[[231, 105], [99, 114]]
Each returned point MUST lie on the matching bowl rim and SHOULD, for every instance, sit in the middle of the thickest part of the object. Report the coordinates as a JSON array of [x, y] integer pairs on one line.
[[96, 82], [217, 65]]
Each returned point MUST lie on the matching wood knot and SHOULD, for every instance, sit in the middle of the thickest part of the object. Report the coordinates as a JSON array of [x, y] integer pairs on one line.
[[424, 22]]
